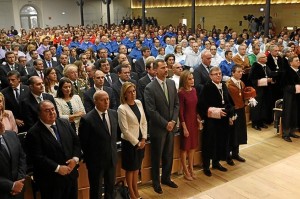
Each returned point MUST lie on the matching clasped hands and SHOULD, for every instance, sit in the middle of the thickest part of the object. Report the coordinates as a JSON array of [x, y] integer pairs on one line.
[[17, 187], [170, 126], [67, 169]]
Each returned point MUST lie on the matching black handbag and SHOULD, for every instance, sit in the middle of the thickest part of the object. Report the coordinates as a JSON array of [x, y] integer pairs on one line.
[[121, 191]]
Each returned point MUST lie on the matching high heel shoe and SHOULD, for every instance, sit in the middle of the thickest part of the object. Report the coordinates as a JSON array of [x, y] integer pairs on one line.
[[193, 175], [187, 176]]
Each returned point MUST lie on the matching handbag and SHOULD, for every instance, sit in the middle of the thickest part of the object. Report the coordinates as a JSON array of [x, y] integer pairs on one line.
[[121, 191]]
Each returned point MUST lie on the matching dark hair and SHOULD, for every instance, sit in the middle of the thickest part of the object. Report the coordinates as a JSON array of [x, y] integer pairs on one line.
[[168, 56], [144, 49], [227, 52], [14, 72], [46, 79], [291, 59], [155, 63], [149, 64], [62, 81], [234, 67]]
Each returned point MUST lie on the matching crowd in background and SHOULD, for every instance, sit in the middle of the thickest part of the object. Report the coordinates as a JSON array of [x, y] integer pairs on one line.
[[147, 83]]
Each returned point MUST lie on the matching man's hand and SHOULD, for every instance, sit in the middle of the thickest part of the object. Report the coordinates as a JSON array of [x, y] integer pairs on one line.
[[18, 187], [142, 144], [170, 126], [19, 122], [64, 170], [71, 164]]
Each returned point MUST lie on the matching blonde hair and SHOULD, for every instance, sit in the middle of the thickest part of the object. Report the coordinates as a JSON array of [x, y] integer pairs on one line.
[[124, 88], [183, 78], [3, 112]]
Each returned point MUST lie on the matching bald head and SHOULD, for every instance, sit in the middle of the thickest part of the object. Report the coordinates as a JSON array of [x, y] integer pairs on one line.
[[101, 100]]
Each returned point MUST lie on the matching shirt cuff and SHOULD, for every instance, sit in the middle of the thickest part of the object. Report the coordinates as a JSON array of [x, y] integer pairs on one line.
[[12, 188], [76, 160], [57, 168]]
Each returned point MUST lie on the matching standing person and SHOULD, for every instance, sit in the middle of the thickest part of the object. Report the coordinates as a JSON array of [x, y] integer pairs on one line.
[[260, 76], [98, 136], [291, 97], [7, 116], [162, 105], [189, 121], [133, 125], [12, 165], [239, 134], [54, 149], [68, 104], [216, 111]]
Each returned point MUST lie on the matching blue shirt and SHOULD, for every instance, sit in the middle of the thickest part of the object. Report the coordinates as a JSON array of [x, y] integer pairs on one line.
[[135, 53], [226, 67], [154, 52], [85, 46], [74, 44]]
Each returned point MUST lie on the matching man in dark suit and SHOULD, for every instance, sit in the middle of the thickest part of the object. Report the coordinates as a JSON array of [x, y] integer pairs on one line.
[[30, 104], [124, 76], [14, 94], [122, 49], [144, 81], [34, 56], [10, 65], [201, 73], [162, 105], [54, 148], [12, 165], [98, 85], [38, 69], [98, 136], [48, 62], [63, 59], [110, 78], [140, 64], [27, 70]]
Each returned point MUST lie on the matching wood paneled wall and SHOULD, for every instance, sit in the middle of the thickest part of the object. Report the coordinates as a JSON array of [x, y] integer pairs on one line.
[[282, 14]]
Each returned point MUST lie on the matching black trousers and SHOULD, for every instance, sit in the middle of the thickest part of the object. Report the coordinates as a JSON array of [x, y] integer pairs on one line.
[[65, 190], [96, 178]]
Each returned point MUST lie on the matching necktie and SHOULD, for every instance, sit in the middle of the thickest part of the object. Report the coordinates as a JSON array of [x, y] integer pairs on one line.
[[41, 75], [165, 91], [39, 99], [75, 85], [54, 127], [3, 149], [104, 122], [49, 63], [17, 94], [108, 79]]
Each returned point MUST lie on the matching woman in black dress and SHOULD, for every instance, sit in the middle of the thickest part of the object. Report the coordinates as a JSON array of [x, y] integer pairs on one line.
[[133, 125]]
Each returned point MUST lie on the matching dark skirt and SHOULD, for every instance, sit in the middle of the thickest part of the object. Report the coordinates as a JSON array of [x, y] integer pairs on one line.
[[131, 156]]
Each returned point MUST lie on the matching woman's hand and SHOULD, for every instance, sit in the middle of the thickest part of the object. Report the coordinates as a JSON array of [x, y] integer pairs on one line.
[[186, 133]]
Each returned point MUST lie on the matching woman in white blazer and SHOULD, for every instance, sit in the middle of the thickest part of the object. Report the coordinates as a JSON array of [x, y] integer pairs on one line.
[[133, 125]]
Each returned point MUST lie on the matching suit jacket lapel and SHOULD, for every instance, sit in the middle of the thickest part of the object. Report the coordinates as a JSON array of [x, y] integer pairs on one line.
[[159, 89], [100, 121], [48, 135]]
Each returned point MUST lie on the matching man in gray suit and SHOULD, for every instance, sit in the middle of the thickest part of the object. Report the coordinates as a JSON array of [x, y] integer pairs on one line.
[[162, 105]]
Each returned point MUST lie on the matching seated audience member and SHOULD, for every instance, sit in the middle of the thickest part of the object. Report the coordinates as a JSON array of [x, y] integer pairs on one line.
[[50, 81], [133, 125], [252, 56], [63, 59], [189, 122], [121, 50], [12, 164], [48, 62], [226, 66], [98, 85], [7, 116], [98, 136], [13, 95], [69, 104], [136, 53], [179, 56], [161, 53], [155, 48], [30, 104], [170, 60], [38, 69], [193, 56]]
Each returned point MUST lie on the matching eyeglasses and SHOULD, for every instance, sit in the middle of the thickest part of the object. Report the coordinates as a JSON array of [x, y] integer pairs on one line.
[[217, 74]]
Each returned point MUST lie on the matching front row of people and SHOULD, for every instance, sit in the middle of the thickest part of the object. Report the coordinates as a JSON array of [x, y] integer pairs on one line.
[[54, 148]]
